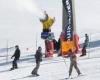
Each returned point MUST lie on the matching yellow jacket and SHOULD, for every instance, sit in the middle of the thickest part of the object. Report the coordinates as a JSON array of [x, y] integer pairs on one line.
[[47, 23]]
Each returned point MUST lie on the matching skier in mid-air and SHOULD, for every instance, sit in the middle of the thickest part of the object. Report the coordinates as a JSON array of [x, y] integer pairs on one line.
[[47, 22]]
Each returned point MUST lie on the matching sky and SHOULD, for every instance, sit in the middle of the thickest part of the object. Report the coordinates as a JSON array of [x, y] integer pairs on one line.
[[19, 20], [87, 16]]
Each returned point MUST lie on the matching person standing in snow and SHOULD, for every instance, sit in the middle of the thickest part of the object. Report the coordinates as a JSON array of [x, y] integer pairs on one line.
[[16, 56], [73, 62], [38, 58], [86, 43]]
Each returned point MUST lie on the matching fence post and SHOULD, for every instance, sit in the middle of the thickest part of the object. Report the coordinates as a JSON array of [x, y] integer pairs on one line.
[[89, 45], [7, 53]]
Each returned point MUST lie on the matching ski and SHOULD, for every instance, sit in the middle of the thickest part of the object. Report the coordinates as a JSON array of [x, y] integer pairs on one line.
[[77, 76], [34, 75], [13, 69], [70, 78]]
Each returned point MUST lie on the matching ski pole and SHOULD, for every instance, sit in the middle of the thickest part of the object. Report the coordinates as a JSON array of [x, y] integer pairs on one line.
[[65, 64], [64, 60]]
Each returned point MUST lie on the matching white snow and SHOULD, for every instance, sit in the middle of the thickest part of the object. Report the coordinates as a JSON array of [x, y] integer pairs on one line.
[[55, 68]]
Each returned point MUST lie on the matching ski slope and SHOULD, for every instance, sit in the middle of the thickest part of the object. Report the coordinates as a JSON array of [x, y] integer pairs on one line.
[[55, 68]]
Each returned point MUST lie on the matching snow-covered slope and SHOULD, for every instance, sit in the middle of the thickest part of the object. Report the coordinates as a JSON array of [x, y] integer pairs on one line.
[[55, 68]]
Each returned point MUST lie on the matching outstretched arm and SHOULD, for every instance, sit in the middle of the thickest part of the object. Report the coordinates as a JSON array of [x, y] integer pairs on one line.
[[46, 17]]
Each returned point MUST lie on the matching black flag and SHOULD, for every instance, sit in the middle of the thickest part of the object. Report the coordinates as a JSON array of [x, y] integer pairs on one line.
[[68, 20]]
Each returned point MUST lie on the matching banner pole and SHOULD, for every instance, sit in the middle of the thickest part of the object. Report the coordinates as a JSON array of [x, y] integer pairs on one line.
[[74, 17]]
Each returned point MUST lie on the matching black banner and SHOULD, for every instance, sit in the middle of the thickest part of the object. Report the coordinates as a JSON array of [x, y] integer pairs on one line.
[[68, 20]]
